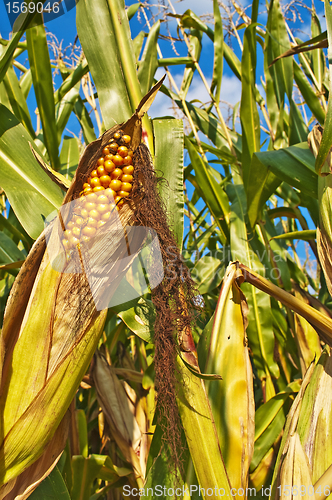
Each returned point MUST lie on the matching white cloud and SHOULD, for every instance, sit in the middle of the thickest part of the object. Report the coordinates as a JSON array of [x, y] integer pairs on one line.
[[230, 93], [230, 89], [198, 6]]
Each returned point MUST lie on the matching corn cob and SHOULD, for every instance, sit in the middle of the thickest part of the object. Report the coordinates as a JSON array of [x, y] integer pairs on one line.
[[107, 187]]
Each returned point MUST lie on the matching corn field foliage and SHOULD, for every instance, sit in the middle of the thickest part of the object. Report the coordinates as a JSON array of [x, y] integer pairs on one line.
[[92, 405]]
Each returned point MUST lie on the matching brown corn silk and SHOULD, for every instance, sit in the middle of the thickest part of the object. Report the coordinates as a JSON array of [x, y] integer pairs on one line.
[[173, 299]]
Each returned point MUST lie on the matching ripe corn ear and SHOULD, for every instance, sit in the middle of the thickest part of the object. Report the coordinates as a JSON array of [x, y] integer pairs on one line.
[[50, 332]]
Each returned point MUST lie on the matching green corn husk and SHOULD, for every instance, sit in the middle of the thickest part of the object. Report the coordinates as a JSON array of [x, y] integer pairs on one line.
[[51, 330], [305, 453], [232, 398]]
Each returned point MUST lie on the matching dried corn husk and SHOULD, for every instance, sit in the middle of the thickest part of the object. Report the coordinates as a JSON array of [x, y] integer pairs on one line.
[[120, 413]]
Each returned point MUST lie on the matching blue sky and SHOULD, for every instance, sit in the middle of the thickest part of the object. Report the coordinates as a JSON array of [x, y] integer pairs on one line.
[[64, 29]]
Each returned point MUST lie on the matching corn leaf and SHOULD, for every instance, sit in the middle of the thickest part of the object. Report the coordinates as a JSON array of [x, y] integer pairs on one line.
[[149, 64], [53, 488], [259, 331], [308, 93], [277, 42], [218, 52], [69, 157], [269, 421], [8, 250], [307, 235], [21, 24], [200, 431], [261, 183], [213, 196], [318, 58], [110, 58], [17, 100], [43, 86], [30, 191], [294, 165], [326, 141], [208, 273], [64, 109], [85, 121], [169, 161], [71, 80], [248, 110], [195, 40]]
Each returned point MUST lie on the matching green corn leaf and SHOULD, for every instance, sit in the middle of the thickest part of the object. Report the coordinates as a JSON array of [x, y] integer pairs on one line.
[[260, 335], [140, 319], [16, 231], [261, 184], [277, 42], [132, 9], [318, 58], [208, 273], [195, 40], [31, 193], [298, 130], [71, 80], [64, 109], [213, 196], [295, 165], [200, 431], [269, 421], [190, 20], [326, 141], [85, 121], [308, 93], [43, 86], [26, 83], [8, 250], [218, 53], [53, 488], [110, 57], [22, 22], [169, 161], [138, 43], [69, 157], [174, 61], [248, 110], [149, 63], [307, 235], [17, 100]]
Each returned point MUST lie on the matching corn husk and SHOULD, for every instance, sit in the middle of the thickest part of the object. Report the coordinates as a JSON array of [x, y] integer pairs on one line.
[[305, 452], [119, 405], [51, 329]]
